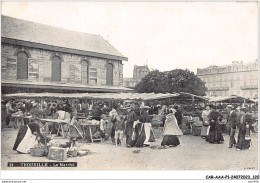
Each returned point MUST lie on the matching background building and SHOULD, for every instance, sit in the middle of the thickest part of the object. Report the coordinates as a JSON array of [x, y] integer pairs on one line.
[[42, 58], [138, 73], [238, 78]]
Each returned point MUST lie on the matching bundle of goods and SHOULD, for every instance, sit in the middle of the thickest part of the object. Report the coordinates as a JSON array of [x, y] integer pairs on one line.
[[83, 152], [18, 114], [74, 152], [196, 130]]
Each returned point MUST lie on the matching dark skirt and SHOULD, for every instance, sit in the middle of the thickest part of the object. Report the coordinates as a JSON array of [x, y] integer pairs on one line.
[[140, 138], [170, 140], [21, 133], [129, 133], [215, 135], [113, 130], [242, 143]]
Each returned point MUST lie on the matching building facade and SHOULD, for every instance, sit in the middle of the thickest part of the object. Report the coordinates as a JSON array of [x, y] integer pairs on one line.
[[33, 55], [138, 73], [236, 79]]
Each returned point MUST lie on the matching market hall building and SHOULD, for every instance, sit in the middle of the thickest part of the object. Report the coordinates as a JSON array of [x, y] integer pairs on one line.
[[41, 58]]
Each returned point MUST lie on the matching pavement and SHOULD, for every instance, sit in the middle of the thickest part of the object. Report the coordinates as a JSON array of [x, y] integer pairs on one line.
[[194, 153]]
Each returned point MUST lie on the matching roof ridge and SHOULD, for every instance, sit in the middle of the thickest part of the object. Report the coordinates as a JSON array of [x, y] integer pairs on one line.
[[110, 44], [53, 26], [19, 29]]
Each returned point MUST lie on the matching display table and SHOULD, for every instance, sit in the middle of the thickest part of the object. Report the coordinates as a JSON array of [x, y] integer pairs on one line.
[[19, 118], [55, 121], [91, 129]]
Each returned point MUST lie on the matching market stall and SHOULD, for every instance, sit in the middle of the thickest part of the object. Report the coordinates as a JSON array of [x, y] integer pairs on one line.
[[88, 125]]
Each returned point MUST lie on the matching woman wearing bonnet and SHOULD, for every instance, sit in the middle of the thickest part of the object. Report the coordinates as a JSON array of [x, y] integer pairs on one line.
[[171, 130]]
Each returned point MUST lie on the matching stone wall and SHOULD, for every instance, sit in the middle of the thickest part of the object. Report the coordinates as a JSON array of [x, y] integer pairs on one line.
[[40, 67]]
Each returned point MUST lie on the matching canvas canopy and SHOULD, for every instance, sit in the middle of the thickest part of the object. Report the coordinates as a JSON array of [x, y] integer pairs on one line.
[[231, 99], [116, 96]]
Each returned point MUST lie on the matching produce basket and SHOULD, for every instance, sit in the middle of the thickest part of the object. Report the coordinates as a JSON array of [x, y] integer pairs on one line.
[[38, 152]]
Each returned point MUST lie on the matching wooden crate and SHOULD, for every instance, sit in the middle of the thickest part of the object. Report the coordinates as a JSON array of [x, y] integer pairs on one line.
[[57, 153]]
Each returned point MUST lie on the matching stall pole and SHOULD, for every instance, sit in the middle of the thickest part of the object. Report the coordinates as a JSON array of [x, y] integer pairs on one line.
[[193, 104], [41, 102]]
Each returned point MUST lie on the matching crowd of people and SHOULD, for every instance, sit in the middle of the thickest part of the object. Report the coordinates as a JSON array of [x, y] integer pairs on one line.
[[238, 119], [131, 124], [134, 122]]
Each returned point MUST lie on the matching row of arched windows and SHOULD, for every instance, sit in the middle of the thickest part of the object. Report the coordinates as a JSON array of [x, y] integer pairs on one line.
[[22, 69]]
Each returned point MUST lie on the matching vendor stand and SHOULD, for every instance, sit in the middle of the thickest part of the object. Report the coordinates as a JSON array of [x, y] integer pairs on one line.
[[59, 122], [110, 97]]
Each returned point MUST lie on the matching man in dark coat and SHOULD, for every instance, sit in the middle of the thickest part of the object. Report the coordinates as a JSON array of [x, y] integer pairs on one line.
[[233, 120], [130, 118], [178, 115]]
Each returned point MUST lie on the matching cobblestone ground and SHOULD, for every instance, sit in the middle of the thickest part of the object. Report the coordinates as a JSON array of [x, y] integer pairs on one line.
[[193, 154]]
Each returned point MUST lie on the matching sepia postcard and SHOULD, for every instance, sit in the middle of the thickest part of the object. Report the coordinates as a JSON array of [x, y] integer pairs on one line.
[[130, 86]]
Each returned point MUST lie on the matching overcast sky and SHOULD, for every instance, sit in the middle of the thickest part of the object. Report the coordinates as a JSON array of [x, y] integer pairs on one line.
[[167, 35]]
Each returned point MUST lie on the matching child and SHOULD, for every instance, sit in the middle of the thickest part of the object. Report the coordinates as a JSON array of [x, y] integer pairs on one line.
[[119, 128], [102, 124]]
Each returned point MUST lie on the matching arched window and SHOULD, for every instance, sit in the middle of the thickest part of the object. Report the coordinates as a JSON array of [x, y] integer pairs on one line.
[[22, 65], [84, 72], [56, 68], [109, 74]]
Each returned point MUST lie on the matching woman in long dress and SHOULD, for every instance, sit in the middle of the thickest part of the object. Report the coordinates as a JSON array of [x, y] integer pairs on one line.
[[171, 130], [143, 129], [244, 140], [130, 118], [26, 139], [205, 123], [215, 135]]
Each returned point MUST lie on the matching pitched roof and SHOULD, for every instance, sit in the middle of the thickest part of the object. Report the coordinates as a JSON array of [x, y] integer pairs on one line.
[[23, 30]]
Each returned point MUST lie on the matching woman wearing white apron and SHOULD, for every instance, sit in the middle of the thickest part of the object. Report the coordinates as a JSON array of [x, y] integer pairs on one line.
[[205, 124], [26, 139]]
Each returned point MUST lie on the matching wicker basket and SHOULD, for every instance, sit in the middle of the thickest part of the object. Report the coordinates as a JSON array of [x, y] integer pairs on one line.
[[38, 152]]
